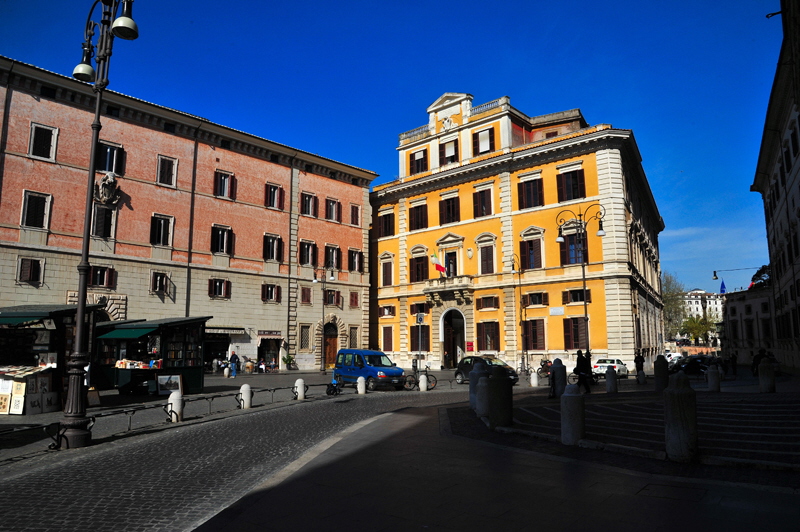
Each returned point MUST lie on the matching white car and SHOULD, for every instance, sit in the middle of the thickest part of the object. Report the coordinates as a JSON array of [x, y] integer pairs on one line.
[[602, 364]]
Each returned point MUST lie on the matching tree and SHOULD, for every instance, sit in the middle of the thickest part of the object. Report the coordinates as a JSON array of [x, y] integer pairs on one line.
[[672, 295], [761, 278], [697, 327]]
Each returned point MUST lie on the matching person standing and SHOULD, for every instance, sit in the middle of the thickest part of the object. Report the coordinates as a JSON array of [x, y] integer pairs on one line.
[[582, 368], [733, 363], [234, 360], [638, 360]]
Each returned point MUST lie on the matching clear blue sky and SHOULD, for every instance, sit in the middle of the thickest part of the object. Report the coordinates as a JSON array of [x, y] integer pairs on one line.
[[343, 79]]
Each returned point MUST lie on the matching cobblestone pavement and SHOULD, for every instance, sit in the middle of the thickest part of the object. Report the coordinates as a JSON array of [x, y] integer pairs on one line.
[[177, 478]]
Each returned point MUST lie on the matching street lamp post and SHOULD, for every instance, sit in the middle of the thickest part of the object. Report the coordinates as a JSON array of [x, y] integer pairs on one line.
[[579, 222], [77, 432], [516, 269], [323, 279]]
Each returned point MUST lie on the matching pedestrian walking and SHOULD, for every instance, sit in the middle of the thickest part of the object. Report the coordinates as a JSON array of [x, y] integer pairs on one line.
[[638, 360], [234, 360], [582, 368], [734, 363]]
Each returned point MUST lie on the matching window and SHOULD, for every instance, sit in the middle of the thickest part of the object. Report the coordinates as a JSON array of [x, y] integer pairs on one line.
[[551, 134], [333, 298], [418, 270], [418, 162], [167, 170], [530, 193], [483, 142], [30, 271], [386, 270], [159, 283], [333, 210], [308, 204], [308, 254], [387, 310], [451, 263], [533, 338], [102, 277], [355, 215], [274, 196], [448, 152], [572, 251], [109, 158], [530, 253], [273, 248], [449, 211], [43, 142], [420, 332], [793, 139], [482, 203], [488, 336], [418, 217], [36, 209], [764, 307], [224, 185], [574, 333], [305, 337], [271, 293], [570, 185], [219, 288], [102, 222], [355, 301], [221, 240], [576, 296], [353, 338], [333, 257], [305, 295], [419, 308], [487, 259], [387, 339], [355, 260], [161, 230], [536, 298], [487, 302], [386, 225]]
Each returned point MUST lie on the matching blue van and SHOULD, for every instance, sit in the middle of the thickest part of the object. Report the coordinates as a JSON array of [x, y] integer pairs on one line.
[[376, 368]]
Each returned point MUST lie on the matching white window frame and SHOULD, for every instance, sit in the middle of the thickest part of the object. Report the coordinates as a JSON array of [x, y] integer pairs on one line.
[[41, 262], [332, 207], [276, 240], [171, 225], [48, 200], [174, 181], [118, 157], [227, 247], [273, 196], [166, 282], [220, 176], [305, 244], [112, 231], [53, 141]]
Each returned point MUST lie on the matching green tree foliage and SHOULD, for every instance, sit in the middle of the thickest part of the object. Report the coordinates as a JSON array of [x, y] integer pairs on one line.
[[672, 295], [697, 328]]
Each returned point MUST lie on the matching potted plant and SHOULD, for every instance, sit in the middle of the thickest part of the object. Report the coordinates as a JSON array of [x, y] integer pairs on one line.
[[288, 361]]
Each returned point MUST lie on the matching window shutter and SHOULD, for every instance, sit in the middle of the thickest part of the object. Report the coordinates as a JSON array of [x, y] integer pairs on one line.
[[211, 288], [229, 243], [338, 259], [537, 253], [154, 231], [588, 295], [411, 167], [442, 218], [525, 300], [538, 193], [475, 145], [277, 293], [339, 211], [279, 253], [280, 198], [425, 160], [339, 299], [313, 254], [581, 183], [565, 297], [496, 302], [442, 154], [111, 278], [316, 207], [424, 217], [491, 139], [263, 292], [545, 298], [522, 200], [265, 248], [564, 253], [232, 190], [539, 334], [478, 303], [25, 270], [560, 187], [457, 209], [481, 337], [567, 333], [476, 204]]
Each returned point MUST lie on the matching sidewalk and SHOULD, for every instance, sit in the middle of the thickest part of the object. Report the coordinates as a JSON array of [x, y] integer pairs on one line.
[[442, 469]]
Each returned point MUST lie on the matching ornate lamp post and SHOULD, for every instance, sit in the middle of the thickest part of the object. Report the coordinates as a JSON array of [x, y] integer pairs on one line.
[[78, 432], [323, 279], [579, 247]]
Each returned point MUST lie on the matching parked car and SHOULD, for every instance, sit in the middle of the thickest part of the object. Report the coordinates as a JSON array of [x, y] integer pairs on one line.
[[466, 364], [691, 365], [376, 368], [601, 365]]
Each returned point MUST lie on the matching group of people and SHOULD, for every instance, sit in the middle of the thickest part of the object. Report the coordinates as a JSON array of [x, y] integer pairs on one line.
[[233, 363]]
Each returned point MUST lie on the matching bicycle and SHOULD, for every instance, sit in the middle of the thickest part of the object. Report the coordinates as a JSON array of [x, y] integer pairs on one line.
[[573, 378], [412, 380], [524, 368], [544, 368]]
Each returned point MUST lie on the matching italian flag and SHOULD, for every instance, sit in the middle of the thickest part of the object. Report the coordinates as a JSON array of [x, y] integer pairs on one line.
[[437, 263]]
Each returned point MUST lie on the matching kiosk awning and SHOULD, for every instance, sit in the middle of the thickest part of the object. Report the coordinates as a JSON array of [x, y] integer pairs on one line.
[[16, 320], [128, 334]]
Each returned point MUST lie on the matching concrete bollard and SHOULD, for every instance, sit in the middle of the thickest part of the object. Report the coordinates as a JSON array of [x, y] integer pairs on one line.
[[227, 372], [478, 371], [661, 373], [534, 379], [558, 372], [573, 415], [766, 377], [611, 380], [712, 374], [423, 383], [680, 419], [482, 397], [641, 378], [300, 386], [361, 386], [246, 396], [175, 403], [501, 401]]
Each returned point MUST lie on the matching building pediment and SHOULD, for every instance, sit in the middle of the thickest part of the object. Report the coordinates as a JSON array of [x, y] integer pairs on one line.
[[531, 232], [448, 99], [450, 239]]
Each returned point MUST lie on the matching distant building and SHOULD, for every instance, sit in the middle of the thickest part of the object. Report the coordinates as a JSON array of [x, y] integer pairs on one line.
[[747, 326], [777, 179], [704, 304], [465, 249]]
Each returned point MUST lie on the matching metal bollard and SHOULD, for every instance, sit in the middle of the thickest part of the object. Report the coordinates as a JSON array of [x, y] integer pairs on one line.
[[361, 386], [175, 406], [246, 396], [611, 380], [423, 383], [300, 386], [478, 371], [766, 377], [558, 372], [712, 374], [680, 419], [661, 373], [482, 397], [573, 415]]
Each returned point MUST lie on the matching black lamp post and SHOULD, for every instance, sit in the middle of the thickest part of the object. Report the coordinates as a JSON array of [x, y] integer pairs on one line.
[[578, 222], [323, 279], [77, 431], [516, 268]]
